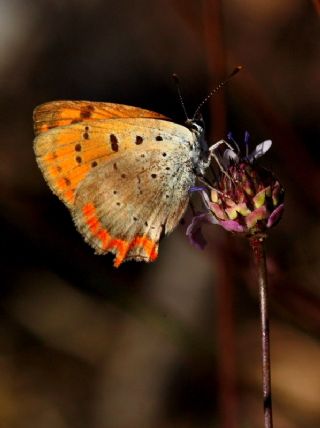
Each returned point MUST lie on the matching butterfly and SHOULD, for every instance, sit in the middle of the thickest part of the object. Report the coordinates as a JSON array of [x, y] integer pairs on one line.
[[124, 172]]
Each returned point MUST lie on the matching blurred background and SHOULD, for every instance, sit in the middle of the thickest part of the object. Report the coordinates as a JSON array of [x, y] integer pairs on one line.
[[174, 343]]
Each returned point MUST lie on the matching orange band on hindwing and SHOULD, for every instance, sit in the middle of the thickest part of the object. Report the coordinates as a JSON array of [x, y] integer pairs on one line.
[[149, 246], [121, 246]]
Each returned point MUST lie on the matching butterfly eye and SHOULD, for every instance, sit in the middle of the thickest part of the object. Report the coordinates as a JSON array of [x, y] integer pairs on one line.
[[199, 123], [195, 124]]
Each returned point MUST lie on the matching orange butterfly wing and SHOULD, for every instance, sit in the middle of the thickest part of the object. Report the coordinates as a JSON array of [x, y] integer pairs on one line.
[[66, 147], [74, 138], [61, 113]]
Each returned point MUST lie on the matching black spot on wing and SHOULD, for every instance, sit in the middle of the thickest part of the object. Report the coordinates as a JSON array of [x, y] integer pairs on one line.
[[86, 111], [114, 143], [139, 140]]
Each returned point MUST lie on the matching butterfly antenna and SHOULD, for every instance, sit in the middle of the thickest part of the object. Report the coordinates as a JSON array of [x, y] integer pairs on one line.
[[216, 89], [177, 83]]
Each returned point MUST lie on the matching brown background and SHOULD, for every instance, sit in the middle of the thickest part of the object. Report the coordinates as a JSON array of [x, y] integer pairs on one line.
[[174, 343]]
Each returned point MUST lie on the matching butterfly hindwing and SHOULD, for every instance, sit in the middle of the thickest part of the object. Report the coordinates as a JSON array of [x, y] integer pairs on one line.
[[125, 204]]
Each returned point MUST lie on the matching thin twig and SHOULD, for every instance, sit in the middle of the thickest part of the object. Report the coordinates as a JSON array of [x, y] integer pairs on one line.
[[257, 246], [228, 391]]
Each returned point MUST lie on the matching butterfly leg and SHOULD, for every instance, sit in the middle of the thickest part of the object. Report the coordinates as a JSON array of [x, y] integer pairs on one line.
[[218, 143], [212, 154]]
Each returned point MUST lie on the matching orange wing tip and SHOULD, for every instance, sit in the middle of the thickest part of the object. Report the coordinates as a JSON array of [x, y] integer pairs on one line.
[[154, 253], [120, 246], [150, 248]]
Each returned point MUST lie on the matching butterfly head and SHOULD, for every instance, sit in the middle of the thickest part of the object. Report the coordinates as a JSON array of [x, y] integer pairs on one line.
[[196, 125], [200, 153]]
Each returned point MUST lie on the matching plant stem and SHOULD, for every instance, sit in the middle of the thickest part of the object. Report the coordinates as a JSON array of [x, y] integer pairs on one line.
[[257, 245], [226, 356]]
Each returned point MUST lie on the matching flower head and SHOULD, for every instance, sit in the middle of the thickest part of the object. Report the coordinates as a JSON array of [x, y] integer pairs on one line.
[[246, 199]]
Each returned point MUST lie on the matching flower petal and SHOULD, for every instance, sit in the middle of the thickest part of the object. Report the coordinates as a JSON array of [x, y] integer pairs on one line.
[[231, 226], [194, 232], [232, 212], [260, 150], [228, 157], [256, 215], [218, 211], [276, 192], [259, 199], [246, 137], [214, 195], [275, 216]]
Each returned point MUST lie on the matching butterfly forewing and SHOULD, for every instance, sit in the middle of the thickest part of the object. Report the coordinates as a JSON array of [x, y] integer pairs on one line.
[[67, 154], [60, 113]]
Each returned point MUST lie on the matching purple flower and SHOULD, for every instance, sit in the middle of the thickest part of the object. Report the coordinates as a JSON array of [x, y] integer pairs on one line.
[[247, 199]]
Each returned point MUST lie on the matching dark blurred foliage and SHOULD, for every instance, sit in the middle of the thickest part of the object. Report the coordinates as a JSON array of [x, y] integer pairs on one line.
[[174, 343]]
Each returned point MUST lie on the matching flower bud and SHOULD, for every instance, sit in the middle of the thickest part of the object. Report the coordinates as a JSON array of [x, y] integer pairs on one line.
[[247, 199]]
